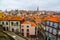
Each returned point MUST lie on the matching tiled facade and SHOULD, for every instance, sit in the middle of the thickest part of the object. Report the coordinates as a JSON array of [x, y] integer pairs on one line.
[[52, 29]]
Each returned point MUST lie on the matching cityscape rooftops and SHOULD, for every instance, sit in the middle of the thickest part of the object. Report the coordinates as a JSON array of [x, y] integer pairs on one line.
[[53, 18], [10, 17], [27, 22]]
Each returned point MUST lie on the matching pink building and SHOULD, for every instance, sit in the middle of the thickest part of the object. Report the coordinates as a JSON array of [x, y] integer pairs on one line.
[[28, 29]]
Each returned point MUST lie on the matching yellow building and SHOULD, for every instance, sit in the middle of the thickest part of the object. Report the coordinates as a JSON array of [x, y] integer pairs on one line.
[[2, 14]]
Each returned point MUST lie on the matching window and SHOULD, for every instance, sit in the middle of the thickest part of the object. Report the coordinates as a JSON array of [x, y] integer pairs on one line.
[[11, 23], [27, 34], [27, 30], [51, 23], [54, 31], [6, 23], [2, 22], [47, 34], [27, 26], [17, 23], [23, 34], [59, 32], [43, 27], [50, 30], [55, 25], [22, 30], [47, 23], [50, 35], [47, 28]]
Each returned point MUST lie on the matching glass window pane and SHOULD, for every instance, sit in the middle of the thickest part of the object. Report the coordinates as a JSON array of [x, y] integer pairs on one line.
[[6, 23], [51, 23], [11, 23], [54, 31], [47, 22], [16, 23], [27, 26], [47, 28], [59, 32], [47, 34], [3, 23], [43, 27], [55, 25], [50, 30]]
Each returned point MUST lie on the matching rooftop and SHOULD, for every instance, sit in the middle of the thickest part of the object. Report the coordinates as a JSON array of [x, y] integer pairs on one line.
[[27, 22], [53, 18]]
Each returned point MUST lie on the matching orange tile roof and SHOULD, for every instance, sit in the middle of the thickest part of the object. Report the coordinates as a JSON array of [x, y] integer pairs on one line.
[[32, 23], [25, 22], [9, 17], [17, 18], [37, 19], [53, 18]]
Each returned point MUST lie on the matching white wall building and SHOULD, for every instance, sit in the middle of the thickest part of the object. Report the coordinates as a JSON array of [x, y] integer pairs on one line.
[[28, 29]]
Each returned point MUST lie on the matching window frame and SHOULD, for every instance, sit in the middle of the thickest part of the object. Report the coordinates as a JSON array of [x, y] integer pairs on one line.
[[48, 22], [54, 25], [27, 30], [17, 23], [3, 23], [11, 23], [6, 23], [51, 23], [55, 32]]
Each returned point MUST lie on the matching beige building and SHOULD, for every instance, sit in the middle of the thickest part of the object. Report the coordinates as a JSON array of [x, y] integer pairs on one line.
[[28, 29]]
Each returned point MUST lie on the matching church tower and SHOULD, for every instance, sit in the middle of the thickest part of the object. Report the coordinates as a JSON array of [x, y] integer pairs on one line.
[[37, 8]]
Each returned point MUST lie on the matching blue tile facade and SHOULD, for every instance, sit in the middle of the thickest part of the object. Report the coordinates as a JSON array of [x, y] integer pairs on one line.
[[52, 30]]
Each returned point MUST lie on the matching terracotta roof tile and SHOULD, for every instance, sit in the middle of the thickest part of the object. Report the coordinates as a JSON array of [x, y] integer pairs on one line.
[[9, 17], [53, 18], [32, 23]]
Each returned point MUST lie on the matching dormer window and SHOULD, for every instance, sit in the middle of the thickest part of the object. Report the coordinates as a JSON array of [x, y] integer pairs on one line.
[[27, 26]]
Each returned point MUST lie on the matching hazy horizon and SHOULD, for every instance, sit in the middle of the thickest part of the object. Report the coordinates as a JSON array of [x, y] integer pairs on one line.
[[50, 5]]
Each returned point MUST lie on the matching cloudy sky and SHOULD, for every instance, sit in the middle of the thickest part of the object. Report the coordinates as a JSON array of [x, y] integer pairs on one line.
[[30, 4]]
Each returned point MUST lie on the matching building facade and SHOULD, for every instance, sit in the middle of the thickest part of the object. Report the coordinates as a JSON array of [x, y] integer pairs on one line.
[[51, 27], [28, 29]]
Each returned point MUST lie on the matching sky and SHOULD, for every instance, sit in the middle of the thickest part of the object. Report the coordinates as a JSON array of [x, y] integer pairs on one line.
[[53, 5]]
